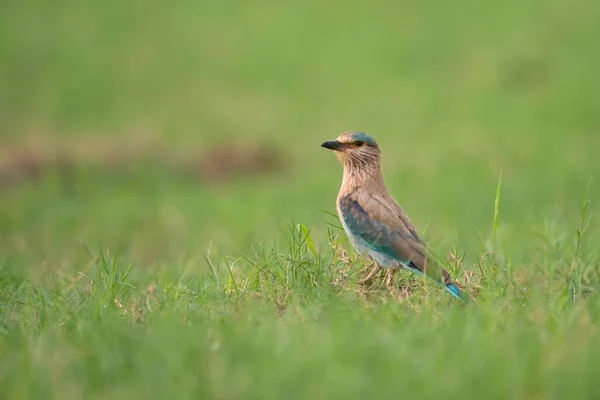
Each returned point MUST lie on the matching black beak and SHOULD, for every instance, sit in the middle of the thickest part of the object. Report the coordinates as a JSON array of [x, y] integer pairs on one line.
[[333, 145]]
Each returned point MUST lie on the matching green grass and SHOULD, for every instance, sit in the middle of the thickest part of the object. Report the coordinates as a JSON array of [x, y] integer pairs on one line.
[[139, 281], [289, 319]]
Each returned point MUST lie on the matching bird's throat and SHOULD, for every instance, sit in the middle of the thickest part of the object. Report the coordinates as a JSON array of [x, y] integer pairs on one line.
[[358, 175]]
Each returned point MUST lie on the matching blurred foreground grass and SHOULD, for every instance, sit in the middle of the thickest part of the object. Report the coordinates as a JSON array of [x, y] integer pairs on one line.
[[454, 93]]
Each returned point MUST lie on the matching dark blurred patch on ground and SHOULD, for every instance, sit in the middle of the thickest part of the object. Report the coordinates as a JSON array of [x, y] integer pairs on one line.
[[215, 165], [527, 71], [222, 163]]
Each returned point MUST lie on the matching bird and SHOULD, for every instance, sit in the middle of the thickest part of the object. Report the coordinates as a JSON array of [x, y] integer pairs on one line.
[[374, 221]]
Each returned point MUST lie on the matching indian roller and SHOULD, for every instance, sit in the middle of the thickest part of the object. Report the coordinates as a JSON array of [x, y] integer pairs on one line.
[[375, 223]]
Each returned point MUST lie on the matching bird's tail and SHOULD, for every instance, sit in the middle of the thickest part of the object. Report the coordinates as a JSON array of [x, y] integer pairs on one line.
[[438, 273], [442, 277], [454, 291]]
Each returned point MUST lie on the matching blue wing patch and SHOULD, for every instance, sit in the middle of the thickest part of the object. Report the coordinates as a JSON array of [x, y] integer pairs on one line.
[[374, 234]]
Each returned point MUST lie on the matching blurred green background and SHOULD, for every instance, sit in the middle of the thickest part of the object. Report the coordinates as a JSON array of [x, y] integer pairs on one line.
[[158, 130], [454, 93]]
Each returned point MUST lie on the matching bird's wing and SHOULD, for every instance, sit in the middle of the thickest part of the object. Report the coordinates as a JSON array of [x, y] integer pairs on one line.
[[399, 212], [382, 230], [387, 211]]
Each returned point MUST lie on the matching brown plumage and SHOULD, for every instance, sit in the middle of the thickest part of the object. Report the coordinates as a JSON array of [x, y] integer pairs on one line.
[[374, 221]]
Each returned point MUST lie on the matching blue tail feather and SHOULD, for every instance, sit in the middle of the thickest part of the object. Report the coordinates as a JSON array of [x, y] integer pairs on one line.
[[454, 291]]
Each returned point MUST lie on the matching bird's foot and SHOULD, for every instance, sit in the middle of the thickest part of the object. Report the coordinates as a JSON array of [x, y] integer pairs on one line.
[[370, 276], [389, 281]]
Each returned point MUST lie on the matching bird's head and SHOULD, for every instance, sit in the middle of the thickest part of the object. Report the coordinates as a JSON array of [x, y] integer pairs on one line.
[[355, 149]]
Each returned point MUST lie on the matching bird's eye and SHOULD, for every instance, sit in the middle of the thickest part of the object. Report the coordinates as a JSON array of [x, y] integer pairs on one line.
[[359, 143]]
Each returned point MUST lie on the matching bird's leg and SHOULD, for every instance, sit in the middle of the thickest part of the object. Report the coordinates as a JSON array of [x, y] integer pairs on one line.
[[371, 274], [389, 279]]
